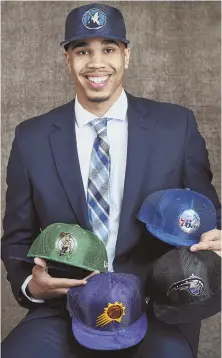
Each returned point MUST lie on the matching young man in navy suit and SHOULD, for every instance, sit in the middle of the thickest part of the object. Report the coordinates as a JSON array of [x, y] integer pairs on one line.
[[152, 146]]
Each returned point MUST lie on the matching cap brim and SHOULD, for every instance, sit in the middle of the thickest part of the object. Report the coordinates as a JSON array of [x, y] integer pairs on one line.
[[170, 239], [188, 313], [64, 43], [68, 264], [108, 341]]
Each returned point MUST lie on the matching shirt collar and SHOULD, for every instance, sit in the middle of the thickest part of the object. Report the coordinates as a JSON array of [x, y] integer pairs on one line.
[[117, 111]]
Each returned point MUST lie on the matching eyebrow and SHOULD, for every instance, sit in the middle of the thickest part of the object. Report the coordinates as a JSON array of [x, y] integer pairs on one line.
[[77, 44], [111, 42]]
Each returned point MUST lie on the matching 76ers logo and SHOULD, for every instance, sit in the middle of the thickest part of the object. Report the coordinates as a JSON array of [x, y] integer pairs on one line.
[[189, 221]]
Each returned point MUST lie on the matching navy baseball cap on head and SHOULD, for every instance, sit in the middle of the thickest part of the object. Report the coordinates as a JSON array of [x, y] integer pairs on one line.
[[95, 20], [178, 216], [109, 312], [186, 286]]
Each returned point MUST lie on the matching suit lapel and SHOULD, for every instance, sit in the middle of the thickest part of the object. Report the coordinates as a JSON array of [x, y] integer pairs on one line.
[[140, 130], [64, 149]]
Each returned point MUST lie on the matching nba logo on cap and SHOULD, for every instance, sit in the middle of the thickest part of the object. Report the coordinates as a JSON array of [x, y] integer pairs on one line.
[[94, 19], [66, 243], [189, 221], [178, 216], [193, 284]]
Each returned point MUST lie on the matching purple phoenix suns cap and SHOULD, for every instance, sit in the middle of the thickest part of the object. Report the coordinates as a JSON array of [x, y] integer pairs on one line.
[[94, 20], [109, 312], [186, 286], [178, 216]]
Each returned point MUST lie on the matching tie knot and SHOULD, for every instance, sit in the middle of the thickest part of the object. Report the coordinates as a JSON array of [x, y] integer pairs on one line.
[[100, 126]]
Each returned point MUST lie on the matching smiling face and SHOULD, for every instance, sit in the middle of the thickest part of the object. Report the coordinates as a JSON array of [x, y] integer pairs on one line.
[[97, 67]]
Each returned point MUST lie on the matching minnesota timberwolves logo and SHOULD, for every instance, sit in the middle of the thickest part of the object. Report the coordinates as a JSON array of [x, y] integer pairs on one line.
[[189, 221], [94, 19], [193, 285]]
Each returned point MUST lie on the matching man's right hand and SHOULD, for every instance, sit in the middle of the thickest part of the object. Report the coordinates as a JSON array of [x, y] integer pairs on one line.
[[43, 286]]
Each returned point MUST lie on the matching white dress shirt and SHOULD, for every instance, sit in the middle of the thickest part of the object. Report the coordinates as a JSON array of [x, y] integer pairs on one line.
[[117, 133]]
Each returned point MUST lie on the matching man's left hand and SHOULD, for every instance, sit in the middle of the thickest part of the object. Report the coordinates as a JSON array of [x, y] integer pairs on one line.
[[210, 240]]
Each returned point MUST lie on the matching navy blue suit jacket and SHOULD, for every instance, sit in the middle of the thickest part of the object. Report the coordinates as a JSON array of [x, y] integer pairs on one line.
[[165, 150]]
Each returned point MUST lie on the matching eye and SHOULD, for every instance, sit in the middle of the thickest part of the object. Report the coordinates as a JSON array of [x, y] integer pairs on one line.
[[83, 52], [109, 50]]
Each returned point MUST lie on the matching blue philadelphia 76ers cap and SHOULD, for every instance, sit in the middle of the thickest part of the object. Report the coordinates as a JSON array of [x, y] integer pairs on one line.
[[95, 20], [109, 312], [178, 216]]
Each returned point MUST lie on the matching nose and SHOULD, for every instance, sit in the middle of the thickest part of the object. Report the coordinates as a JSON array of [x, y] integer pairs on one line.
[[96, 60]]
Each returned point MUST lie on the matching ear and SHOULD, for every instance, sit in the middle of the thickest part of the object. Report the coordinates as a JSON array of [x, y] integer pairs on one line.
[[127, 58], [68, 60]]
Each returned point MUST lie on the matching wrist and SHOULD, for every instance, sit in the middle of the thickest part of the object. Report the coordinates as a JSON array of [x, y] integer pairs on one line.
[[26, 290]]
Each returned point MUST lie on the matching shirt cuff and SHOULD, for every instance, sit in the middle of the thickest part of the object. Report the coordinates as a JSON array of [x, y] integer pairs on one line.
[[23, 288]]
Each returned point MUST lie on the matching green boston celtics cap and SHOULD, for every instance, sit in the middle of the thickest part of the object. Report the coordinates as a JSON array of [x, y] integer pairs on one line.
[[71, 245]]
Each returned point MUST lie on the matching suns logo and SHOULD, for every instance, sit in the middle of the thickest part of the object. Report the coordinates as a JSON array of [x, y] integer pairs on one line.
[[113, 312], [94, 19], [66, 243], [189, 221]]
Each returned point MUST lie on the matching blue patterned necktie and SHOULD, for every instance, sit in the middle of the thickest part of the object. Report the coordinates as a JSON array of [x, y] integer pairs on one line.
[[98, 182]]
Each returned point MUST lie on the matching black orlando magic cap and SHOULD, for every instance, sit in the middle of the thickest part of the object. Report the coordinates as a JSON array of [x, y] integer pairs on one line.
[[95, 20], [186, 286]]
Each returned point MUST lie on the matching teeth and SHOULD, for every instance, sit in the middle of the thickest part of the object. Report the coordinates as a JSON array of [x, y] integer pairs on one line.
[[98, 79]]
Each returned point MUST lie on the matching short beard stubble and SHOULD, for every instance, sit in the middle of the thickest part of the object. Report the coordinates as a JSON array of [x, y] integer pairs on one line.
[[98, 99]]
